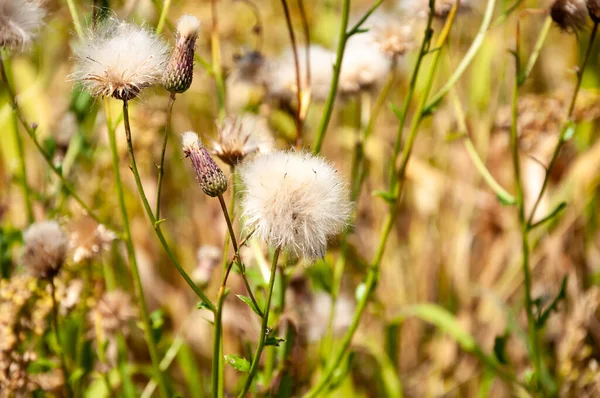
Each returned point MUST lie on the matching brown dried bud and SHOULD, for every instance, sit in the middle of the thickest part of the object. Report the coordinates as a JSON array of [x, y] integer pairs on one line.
[[210, 177], [594, 10], [569, 15], [45, 249], [180, 70]]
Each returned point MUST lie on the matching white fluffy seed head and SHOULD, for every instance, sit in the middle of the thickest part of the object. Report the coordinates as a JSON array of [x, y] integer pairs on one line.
[[364, 66], [45, 249], [296, 201], [119, 60], [188, 26], [20, 21], [190, 141]]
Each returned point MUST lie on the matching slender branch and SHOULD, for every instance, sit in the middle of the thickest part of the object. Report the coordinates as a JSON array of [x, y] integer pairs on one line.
[[161, 167], [264, 328], [153, 221], [299, 88], [568, 124], [130, 247], [229, 225], [31, 133], [61, 352]]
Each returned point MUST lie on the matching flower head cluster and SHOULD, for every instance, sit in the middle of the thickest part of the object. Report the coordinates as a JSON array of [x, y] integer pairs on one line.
[[119, 60], [45, 249], [113, 312], [20, 21], [569, 15], [295, 201], [364, 66], [240, 137], [180, 69], [210, 177]]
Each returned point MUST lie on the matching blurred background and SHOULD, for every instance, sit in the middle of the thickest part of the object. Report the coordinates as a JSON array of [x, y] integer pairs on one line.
[[453, 243]]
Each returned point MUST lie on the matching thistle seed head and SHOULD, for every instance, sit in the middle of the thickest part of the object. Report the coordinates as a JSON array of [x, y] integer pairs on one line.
[[180, 69], [569, 15], [240, 137], [295, 201], [45, 249], [210, 177], [20, 21], [119, 60], [594, 10]]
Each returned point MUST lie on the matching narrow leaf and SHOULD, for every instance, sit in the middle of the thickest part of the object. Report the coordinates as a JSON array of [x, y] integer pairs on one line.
[[238, 362], [249, 303]]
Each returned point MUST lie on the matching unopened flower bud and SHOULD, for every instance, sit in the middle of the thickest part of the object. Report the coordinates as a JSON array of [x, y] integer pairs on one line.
[[569, 15], [180, 70], [45, 249], [210, 177], [594, 10]]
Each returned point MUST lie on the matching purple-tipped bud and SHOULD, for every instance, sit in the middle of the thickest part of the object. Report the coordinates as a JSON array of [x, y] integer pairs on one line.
[[594, 10], [210, 177], [180, 70]]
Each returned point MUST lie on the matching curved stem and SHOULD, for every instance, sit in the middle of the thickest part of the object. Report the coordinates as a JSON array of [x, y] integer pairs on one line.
[[23, 171], [466, 61], [61, 352], [153, 221], [537, 49], [75, 17], [161, 167], [562, 139], [374, 270], [31, 133], [129, 245], [264, 328]]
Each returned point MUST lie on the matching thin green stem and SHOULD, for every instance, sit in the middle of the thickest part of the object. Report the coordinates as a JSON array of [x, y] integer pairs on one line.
[[161, 167], [562, 139], [23, 171], [374, 270], [467, 59], [290, 27], [153, 221], [130, 247], [163, 16], [31, 133], [536, 49], [61, 352], [337, 67], [216, 60], [264, 327], [75, 17]]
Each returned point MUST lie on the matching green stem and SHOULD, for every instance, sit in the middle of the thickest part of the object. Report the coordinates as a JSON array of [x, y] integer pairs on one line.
[[23, 171], [374, 270], [264, 328], [161, 167], [153, 221], [163, 16], [75, 17], [216, 61], [130, 248], [61, 352], [562, 139], [31, 133], [536, 49]]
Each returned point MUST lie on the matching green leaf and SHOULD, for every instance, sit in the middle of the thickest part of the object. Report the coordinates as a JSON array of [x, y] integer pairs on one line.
[[274, 341], [569, 132], [505, 201], [562, 294], [389, 197], [249, 303], [397, 112], [76, 375], [238, 362], [202, 306], [360, 292], [500, 348]]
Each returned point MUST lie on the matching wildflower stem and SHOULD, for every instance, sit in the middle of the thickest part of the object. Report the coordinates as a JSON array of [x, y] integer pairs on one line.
[[264, 327], [130, 248], [563, 138], [216, 359], [374, 270], [31, 133], [75, 17], [61, 352], [161, 167], [153, 221], [537, 49], [216, 60], [23, 171], [163, 16], [229, 225], [299, 88]]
